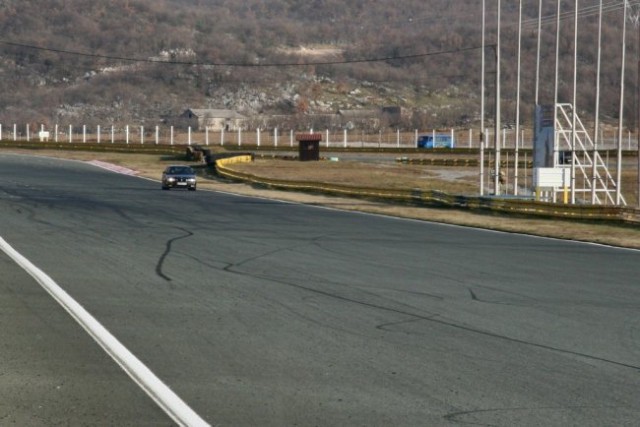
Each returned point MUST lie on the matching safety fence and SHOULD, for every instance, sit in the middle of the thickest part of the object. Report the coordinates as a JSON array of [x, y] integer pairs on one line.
[[171, 135]]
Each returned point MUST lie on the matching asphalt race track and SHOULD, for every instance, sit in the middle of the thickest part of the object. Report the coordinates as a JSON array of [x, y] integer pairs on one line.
[[256, 312]]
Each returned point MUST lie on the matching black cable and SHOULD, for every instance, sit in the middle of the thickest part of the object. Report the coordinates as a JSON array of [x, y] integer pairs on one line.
[[231, 64]]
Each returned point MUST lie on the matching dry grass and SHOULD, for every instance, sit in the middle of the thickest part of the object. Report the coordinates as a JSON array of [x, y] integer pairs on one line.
[[454, 180]]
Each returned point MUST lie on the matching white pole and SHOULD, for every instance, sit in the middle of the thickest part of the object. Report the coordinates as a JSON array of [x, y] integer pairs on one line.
[[15, 132], [171, 136], [157, 134], [127, 134], [482, 72], [28, 136], [239, 137], [141, 135], [515, 170], [206, 135], [519, 67], [556, 82], [452, 138], [575, 112], [496, 181], [621, 113], [70, 133], [113, 134], [416, 139], [345, 138], [291, 137], [275, 137], [258, 136], [84, 134], [55, 138], [327, 138], [596, 124], [470, 137], [189, 136], [222, 137], [0, 132], [481, 168], [98, 133]]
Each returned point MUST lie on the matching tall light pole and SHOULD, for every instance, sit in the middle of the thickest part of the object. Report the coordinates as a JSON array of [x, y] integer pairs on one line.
[[515, 175], [496, 182], [596, 127], [575, 106], [538, 51], [635, 19], [482, 136], [620, 121]]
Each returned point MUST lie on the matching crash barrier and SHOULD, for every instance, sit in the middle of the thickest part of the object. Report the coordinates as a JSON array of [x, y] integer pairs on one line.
[[439, 199], [459, 162], [219, 160]]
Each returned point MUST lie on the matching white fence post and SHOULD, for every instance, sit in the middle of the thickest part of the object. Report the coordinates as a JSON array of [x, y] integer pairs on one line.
[[275, 137], [157, 134], [113, 134], [291, 137], [55, 137], [70, 134], [470, 137], [206, 135], [127, 134], [98, 133], [415, 141], [141, 135], [258, 136], [171, 137], [0, 132], [239, 137], [189, 135], [221, 137], [398, 137], [84, 133], [27, 132], [15, 132], [327, 138], [345, 138]]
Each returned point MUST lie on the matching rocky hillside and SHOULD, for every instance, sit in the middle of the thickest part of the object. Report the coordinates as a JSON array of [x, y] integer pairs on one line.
[[144, 60]]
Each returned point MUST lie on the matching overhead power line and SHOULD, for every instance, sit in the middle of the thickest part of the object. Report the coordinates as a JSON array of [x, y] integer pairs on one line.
[[236, 64]]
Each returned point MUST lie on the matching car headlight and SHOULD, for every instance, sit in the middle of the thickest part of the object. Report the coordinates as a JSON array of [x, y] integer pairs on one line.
[[171, 179], [191, 179]]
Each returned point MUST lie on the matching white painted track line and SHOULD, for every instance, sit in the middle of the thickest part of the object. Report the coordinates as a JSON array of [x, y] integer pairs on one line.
[[177, 409]]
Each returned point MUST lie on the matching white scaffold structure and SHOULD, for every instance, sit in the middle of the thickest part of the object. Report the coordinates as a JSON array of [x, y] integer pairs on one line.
[[589, 178]]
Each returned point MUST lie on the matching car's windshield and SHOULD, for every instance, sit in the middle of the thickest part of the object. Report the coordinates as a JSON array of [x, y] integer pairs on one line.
[[180, 170]]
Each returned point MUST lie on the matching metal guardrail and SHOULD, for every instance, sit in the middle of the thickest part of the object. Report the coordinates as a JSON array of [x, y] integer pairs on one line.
[[439, 199]]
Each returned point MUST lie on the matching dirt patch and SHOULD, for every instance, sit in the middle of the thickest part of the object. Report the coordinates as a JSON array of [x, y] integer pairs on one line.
[[375, 175]]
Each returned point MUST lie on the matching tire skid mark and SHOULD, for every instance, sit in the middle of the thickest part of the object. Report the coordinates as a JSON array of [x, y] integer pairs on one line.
[[167, 251]]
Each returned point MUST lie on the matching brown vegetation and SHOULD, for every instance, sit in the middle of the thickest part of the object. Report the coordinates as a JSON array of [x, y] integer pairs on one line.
[[42, 85]]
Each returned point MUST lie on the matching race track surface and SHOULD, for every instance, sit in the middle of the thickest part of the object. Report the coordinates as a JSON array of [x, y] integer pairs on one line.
[[257, 312]]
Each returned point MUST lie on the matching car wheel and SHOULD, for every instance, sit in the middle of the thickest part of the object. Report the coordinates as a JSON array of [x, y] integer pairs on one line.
[[164, 187], [192, 188]]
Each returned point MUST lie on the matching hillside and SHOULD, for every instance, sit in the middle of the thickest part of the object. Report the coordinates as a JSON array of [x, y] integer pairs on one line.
[[139, 61]]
